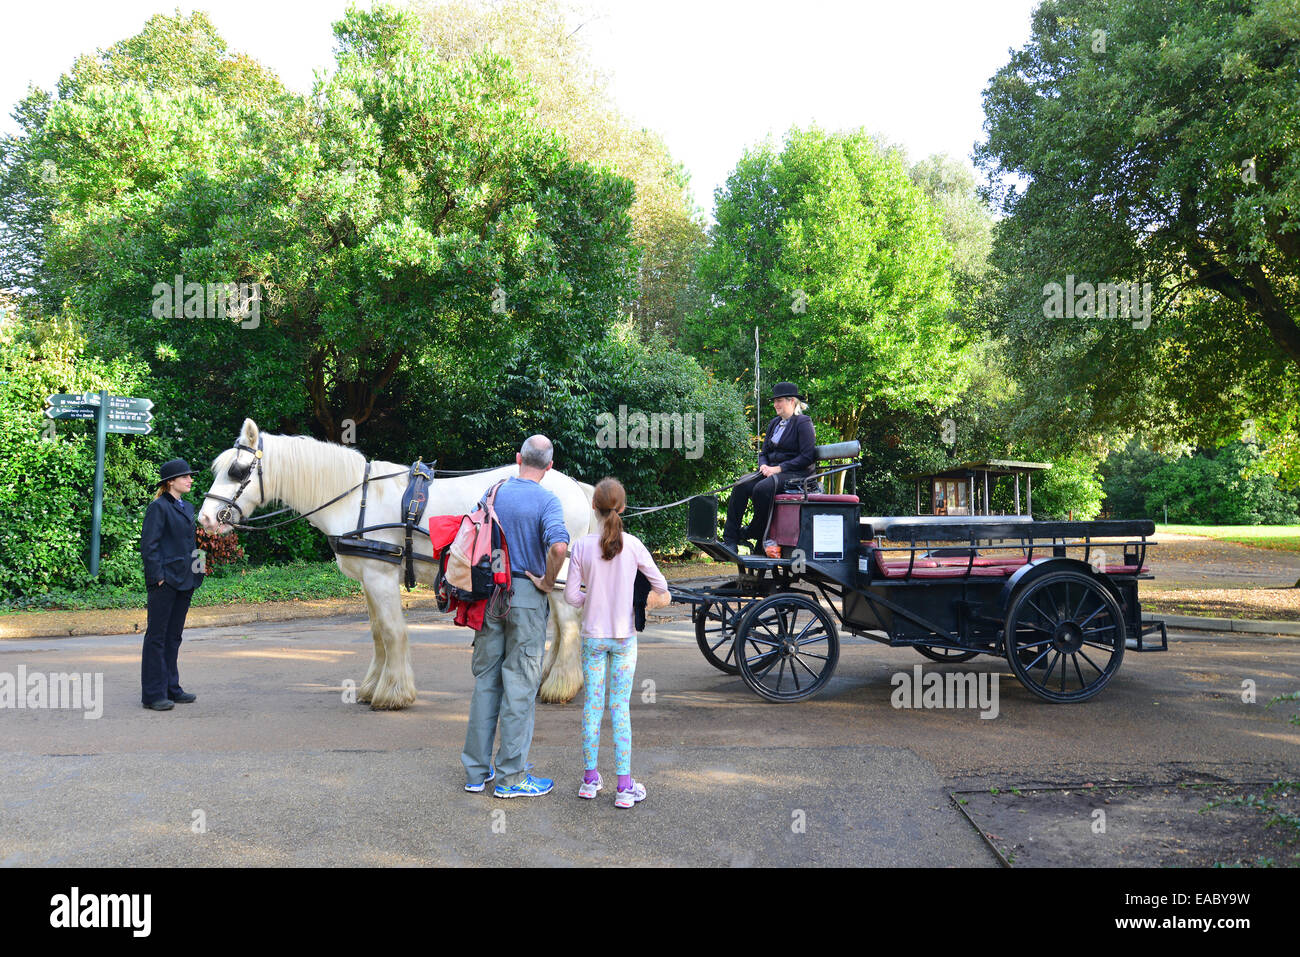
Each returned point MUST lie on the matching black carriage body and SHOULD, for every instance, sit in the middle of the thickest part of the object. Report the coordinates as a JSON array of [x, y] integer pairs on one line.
[[1042, 594]]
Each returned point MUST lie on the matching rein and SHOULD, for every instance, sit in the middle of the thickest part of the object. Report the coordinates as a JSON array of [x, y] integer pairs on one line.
[[637, 510], [245, 474]]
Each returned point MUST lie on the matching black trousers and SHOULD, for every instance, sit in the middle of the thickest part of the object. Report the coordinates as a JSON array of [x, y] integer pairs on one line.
[[168, 607], [762, 491]]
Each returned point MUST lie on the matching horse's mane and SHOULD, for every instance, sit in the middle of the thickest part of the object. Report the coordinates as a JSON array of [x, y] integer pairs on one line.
[[302, 469]]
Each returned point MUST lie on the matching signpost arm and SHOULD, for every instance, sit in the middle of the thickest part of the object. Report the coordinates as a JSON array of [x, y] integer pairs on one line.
[[101, 432]]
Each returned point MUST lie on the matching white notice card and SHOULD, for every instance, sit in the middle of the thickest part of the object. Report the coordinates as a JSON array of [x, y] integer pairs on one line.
[[828, 538]]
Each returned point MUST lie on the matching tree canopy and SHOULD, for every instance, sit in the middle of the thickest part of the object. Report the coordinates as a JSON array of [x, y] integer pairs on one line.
[[1151, 141], [840, 260], [409, 205]]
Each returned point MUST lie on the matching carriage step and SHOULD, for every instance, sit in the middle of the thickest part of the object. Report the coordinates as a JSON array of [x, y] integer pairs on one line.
[[1140, 643]]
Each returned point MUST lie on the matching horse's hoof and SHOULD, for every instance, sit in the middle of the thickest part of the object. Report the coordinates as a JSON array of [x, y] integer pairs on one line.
[[558, 692]]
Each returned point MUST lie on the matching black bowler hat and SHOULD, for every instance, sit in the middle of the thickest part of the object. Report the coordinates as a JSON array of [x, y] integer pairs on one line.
[[787, 390], [174, 469]]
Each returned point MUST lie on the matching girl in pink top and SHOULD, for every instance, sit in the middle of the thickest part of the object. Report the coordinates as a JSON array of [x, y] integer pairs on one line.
[[608, 562]]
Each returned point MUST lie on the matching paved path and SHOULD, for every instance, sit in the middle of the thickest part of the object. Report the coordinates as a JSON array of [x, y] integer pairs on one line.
[[286, 773], [1208, 563]]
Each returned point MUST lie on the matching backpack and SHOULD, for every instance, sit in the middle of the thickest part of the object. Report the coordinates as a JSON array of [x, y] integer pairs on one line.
[[470, 567]]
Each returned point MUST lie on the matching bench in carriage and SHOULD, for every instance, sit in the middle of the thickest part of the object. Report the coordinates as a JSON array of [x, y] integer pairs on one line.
[[1057, 600]]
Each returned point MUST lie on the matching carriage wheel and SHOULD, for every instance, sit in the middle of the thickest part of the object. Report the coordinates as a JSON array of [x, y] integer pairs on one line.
[[945, 655], [1064, 636], [715, 632], [787, 647]]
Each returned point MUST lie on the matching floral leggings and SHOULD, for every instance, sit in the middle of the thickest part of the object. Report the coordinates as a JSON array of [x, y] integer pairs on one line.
[[621, 655]]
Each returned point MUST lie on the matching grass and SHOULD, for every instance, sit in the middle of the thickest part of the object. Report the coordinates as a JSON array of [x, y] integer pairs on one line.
[[226, 586], [1281, 538]]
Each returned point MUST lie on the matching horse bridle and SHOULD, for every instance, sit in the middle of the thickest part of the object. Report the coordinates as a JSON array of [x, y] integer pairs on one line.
[[244, 473]]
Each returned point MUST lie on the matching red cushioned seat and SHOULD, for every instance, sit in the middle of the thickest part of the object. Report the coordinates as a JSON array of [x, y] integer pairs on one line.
[[819, 497], [988, 571], [982, 562]]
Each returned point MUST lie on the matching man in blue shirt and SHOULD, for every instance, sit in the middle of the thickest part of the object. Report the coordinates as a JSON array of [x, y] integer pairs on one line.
[[507, 660]]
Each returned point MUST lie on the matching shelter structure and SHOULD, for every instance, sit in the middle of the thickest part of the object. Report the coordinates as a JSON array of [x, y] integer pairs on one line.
[[966, 489]]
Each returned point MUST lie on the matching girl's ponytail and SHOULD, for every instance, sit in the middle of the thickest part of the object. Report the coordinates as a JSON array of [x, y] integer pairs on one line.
[[608, 498]]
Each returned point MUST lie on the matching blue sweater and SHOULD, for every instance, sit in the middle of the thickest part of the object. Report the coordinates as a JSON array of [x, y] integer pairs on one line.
[[533, 520]]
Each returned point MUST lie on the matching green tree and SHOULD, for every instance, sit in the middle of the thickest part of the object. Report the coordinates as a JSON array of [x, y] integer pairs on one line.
[[1150, 141], [409, 207], [1214, 487], [47, 469], [544, 41], [838, 257]]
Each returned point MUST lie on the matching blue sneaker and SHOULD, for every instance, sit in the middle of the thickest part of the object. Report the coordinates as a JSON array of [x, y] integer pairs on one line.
[[477, 788], [528, 787]]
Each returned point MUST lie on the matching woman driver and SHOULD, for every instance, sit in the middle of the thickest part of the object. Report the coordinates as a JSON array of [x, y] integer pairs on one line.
[[787, 454]]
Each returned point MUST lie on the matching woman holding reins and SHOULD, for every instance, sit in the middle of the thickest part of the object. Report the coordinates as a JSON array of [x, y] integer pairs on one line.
[[787, 454]]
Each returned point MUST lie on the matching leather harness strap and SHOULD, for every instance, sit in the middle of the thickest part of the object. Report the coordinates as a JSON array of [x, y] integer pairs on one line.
[[365, 485]]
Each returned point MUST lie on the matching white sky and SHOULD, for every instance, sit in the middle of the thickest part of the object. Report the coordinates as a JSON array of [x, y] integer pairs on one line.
[[711, 76]]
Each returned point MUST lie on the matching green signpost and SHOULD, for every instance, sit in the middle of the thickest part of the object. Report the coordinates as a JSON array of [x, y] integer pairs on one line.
[[112, 413]]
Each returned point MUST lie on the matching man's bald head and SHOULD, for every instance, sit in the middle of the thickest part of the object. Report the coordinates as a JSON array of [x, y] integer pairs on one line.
[[536, 452]]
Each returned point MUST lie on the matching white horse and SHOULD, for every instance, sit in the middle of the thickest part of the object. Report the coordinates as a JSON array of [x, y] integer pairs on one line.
[[304, 473]]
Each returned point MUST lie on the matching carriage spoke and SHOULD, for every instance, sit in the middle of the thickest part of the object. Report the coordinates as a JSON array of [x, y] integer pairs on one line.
[[1048, 673], [1100, 608], [1094, 644], [1046, 652], [779, 675], [1089, 660], [820, 635], [1046, 616], [1035, 644], [799, 658], [770, 658], [795, 675], [1083, 598], [1055, 605], [1093, 631]]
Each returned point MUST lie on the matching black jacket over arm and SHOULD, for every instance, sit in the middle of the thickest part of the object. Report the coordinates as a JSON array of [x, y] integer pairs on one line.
[[795, 452], [168, 543]]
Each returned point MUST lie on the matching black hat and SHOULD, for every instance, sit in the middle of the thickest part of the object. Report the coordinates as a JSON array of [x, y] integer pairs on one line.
[[786, 390], [174, 469]]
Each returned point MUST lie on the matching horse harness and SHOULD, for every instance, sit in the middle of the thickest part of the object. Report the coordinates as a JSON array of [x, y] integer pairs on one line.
[[414, 501]]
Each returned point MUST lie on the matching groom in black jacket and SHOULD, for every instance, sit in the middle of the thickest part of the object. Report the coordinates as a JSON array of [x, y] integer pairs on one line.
[[787, 454]]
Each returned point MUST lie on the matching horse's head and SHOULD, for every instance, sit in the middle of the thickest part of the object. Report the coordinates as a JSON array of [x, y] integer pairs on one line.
[[237, 486]]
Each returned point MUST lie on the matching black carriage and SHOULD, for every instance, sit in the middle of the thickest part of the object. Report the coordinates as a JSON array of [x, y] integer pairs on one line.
[[1057, 600]]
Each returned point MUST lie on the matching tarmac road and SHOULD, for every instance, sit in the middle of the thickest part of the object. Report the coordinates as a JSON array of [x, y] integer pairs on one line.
[[278, 769]]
